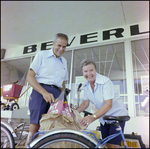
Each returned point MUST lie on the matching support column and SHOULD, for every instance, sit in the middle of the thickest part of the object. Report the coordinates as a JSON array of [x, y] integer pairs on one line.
[[129, 78], [71, 69]]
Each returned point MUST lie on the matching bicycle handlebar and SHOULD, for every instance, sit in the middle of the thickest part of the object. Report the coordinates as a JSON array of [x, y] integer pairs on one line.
[[86, 113], [79, 86]]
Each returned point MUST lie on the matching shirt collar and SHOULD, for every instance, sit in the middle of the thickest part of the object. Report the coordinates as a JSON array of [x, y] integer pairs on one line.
[[99, 80], [51, 53]]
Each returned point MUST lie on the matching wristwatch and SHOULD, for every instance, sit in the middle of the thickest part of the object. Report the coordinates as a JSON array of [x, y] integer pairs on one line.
[[94, 116]]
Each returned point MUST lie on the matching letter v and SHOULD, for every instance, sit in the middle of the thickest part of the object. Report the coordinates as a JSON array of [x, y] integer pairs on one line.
[[71, 41]]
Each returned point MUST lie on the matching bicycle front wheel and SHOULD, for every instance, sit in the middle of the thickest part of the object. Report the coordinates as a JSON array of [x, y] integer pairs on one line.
[[64, 140], [7, 140]]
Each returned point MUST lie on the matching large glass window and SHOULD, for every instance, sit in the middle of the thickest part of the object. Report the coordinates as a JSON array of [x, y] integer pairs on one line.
[[13, 70], [110, 62], [140, 56]]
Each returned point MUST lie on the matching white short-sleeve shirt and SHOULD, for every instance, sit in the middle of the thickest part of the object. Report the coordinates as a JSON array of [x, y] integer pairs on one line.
[[49, 69], [104, 90]]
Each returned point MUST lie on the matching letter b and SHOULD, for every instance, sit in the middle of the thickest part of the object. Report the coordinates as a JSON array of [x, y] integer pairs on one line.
[[29, 49]]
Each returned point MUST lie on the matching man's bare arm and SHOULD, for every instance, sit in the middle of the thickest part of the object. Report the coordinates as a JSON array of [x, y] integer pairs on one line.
[[36, 86]]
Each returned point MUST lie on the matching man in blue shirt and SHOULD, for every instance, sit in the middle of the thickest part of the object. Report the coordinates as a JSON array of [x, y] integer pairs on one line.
[[47, 75], [100, 90]]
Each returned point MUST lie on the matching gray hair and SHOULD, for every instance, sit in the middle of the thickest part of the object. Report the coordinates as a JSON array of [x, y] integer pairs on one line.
[[61, 35], [87, 61]]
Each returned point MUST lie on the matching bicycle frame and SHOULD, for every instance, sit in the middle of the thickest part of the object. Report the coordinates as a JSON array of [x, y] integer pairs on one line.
[[14, 131], [105, 140], [98, 143]]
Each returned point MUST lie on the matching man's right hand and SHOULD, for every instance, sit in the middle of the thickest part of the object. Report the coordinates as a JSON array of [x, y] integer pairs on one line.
[[48, 97]]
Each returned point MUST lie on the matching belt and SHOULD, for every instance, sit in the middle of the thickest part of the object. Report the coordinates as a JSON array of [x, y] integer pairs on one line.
[[51, 86]]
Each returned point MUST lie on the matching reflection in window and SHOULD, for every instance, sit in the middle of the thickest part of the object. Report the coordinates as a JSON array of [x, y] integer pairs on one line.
[[140, 55], [14, 72], [67, 56]]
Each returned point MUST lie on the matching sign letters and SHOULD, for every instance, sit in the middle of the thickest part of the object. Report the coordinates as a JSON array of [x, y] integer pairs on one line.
[[117, 34], [84, 38], [89, 38], [135, 30], [93, 37], [29, 49], [46, 44]]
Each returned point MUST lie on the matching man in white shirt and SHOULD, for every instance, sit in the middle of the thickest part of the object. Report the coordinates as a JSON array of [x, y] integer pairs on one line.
[[47, 75]]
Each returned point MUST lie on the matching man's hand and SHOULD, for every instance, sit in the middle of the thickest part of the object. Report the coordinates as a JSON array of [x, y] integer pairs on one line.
[[48, 97]]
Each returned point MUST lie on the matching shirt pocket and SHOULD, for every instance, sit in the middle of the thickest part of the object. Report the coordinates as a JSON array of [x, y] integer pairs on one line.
[[62, 73]]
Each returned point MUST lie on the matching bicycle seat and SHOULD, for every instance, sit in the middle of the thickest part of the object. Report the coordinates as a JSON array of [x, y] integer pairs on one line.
[[116, 118]]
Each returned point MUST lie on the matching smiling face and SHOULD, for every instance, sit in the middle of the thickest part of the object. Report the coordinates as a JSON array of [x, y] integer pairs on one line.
[[89, 73], [59, 46]]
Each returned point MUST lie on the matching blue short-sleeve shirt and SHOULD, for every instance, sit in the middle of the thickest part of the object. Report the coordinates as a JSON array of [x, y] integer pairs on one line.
[[49, 69], [104, 90]]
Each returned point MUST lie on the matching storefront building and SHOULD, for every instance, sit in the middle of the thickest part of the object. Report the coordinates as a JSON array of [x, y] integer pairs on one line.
[[120, 53]]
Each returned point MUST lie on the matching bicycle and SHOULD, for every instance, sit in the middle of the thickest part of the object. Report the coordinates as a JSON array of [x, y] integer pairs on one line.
[[13, 137], [60, 138], [7, 140], [69, 138]]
